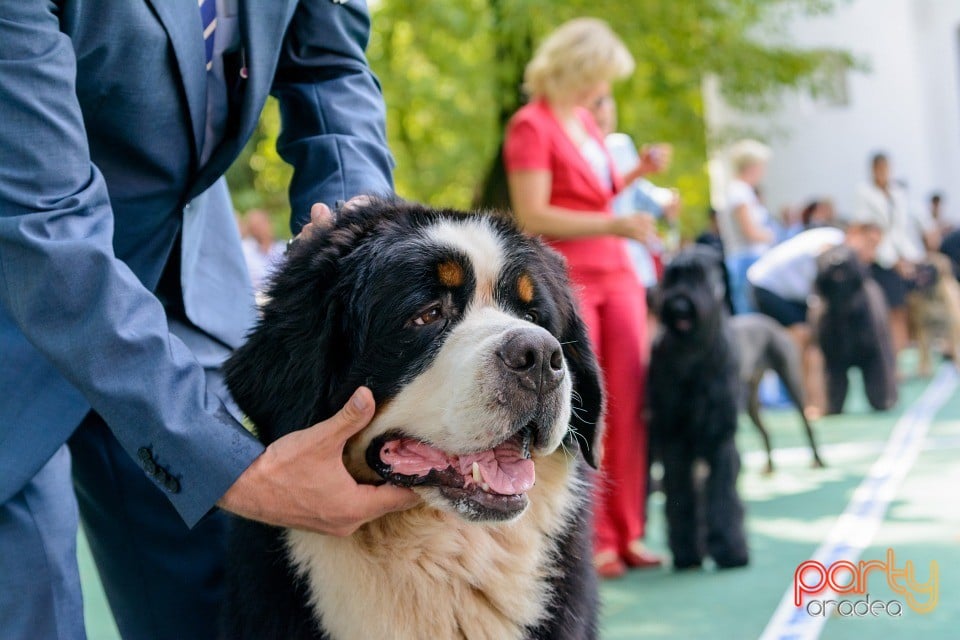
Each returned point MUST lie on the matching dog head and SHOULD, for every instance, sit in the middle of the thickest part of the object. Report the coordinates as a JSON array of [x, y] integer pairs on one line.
[[692, 296], [464, 330], [840, 274]]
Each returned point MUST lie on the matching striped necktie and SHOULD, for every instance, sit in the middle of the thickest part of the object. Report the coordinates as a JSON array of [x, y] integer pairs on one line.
[[208, 17]]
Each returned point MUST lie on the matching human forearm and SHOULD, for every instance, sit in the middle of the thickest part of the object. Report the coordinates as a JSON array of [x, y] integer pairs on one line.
[[752, 232], [561, 223], [332, 111]]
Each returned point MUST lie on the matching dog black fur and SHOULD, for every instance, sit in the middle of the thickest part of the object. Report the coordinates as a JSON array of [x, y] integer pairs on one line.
[[693, 388], [852, 329], [331, 324]]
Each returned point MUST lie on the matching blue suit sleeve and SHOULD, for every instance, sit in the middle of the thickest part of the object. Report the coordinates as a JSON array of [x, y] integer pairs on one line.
[[74, 300], [333, 128]]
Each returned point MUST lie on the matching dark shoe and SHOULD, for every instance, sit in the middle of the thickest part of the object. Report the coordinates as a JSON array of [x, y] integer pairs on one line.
[[687, 565], [732, 562]]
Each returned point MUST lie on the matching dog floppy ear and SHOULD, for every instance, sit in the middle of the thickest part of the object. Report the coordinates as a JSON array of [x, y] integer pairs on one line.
[[588, 402], [586, 419]]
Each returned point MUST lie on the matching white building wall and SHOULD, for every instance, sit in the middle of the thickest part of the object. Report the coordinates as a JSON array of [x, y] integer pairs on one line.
[[907, 104]]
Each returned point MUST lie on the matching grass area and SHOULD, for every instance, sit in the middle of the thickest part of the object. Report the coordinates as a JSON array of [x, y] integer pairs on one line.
[[789, 515]]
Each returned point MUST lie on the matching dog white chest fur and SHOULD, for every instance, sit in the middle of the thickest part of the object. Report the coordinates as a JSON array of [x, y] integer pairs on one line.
[[426, 573]]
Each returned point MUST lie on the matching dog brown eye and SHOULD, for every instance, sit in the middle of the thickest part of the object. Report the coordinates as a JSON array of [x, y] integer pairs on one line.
[[531, 316], [429, 316]]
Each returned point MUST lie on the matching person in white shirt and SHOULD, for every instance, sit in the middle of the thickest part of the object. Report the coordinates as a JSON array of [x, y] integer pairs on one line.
[[943, 223], [744, 222], [781, 285], [641, 194], [885, 204]]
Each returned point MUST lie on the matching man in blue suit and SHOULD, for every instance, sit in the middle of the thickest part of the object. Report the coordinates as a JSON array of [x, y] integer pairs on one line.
[[122, 290]]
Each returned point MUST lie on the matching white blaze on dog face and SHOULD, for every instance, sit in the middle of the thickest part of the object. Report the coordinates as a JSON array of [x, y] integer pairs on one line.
[[467, 399]]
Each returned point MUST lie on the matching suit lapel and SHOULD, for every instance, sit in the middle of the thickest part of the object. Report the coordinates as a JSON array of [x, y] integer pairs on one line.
[[181, 20]]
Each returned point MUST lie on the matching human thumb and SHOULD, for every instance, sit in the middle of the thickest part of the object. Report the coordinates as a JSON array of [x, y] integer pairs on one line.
[[355, 414]]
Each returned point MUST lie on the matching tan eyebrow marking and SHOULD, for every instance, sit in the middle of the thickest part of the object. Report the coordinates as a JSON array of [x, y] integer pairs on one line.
[[450, 273], [525, 288]]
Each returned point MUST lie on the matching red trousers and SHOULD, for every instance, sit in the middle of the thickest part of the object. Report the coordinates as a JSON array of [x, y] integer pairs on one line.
[[614, 308]]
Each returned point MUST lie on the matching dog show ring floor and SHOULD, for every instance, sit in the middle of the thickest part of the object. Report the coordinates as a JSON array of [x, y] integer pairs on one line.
[[891, 491]]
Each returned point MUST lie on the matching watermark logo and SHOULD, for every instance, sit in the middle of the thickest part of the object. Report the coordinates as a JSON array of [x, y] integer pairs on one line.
[[844, 577]]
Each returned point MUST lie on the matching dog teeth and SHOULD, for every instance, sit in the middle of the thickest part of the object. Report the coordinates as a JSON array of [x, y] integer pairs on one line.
[[525, 442], [476, 473], [485, 487]]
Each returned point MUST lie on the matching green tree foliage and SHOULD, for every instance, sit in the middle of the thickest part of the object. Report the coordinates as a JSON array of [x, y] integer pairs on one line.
[[451, 75]]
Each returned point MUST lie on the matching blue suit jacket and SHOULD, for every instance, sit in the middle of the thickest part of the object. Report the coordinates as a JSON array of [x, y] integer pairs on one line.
[[102, 108]]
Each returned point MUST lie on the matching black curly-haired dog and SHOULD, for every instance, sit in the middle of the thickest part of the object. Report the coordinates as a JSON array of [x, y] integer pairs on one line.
[[693, 389], [851, 326], [465, 331]]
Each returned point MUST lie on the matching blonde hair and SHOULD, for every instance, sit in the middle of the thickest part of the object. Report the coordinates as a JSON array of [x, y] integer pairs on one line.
[[575, 57], [746, 153]]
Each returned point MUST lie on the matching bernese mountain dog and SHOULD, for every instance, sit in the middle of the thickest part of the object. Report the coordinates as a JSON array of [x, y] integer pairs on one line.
[[489, 405]]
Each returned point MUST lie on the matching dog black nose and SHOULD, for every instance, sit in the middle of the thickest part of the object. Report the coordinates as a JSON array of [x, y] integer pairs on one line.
[[534, 357], [680, 306]]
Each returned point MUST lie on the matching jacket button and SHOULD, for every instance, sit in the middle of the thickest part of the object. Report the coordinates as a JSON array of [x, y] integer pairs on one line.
[[152, 468], [171, 484], [144, 454]]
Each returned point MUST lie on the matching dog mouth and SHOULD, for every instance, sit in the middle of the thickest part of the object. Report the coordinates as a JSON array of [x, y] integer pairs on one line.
[[485, 485], [680, 314]]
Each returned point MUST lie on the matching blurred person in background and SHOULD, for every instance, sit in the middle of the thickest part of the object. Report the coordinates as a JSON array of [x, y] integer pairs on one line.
[[815, 214], [944, 225], [818, 213], [261, 250], [711, 235], [641, 195], [562, 182], [884, 203], [744, 222]]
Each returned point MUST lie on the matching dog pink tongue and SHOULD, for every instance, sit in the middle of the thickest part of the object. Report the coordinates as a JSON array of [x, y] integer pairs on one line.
[[410, 457], [503, 469]]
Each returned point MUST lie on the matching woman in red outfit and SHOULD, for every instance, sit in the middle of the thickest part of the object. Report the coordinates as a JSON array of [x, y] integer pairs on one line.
[[562, 181]]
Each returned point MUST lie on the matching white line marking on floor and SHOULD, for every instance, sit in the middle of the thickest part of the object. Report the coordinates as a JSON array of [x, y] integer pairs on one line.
[[757, 459], [859, 522]]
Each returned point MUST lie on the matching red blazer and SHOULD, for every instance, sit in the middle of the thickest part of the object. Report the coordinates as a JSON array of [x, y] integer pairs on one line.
[[535, 139]]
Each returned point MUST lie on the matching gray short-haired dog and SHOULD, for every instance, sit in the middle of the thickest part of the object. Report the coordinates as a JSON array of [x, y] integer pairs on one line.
[[763, 345]]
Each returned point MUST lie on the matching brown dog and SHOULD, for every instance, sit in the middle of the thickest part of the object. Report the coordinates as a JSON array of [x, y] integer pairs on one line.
[[933, 311]]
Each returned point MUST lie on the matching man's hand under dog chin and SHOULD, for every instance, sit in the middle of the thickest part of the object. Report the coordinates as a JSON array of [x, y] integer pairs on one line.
[[300, 482]]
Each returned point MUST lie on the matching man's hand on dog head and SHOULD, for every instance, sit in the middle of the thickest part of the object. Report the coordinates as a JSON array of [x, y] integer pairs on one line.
[[300, 481], [322, 218]]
